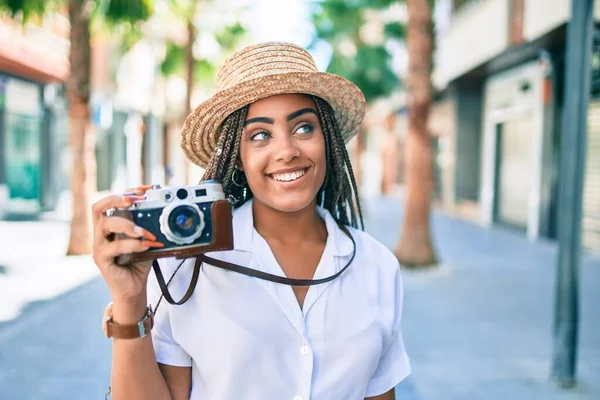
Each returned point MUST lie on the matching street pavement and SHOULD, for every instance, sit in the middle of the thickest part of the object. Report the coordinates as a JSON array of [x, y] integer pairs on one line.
[[479, 326]]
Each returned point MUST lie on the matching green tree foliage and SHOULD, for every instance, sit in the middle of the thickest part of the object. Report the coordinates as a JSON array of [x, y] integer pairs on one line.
[[204, 70], [367, 64], [111, 11]]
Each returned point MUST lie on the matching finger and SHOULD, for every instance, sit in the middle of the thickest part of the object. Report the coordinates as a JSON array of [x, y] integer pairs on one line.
[[111, 250], [140, 189], [133, 192], [100, 207], [110, 225]]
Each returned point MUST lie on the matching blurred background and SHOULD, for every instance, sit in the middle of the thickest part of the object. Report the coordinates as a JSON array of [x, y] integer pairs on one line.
[[461, 162]]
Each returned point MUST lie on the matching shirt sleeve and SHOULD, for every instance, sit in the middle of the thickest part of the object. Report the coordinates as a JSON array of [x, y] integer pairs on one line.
[[166, 348], [394, 365]]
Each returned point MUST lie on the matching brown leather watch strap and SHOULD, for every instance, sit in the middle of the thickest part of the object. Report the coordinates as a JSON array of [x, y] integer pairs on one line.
[[119, 331]]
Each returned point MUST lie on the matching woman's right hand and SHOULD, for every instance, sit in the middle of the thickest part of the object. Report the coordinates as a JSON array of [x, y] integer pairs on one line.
[[127, 285]]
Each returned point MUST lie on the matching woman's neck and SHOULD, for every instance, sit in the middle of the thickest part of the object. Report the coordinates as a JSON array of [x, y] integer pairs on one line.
[[289, 227]]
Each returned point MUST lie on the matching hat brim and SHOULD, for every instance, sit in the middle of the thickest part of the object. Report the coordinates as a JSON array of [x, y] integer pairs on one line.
[[200, 131]]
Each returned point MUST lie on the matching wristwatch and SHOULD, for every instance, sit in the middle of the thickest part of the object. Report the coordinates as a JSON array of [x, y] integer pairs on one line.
[[119, 331]]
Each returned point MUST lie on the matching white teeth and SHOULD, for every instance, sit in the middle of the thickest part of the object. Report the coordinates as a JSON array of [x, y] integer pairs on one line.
[[288, 177]]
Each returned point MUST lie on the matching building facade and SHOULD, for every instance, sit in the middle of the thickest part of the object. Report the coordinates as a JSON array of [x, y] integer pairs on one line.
[[33, 142], [501, 67]]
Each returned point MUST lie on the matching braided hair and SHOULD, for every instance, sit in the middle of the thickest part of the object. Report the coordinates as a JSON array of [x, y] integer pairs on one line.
[[338, 195]]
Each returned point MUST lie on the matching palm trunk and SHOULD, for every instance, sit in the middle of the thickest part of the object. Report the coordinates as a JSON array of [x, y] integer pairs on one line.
[[81, 139], [358, 153], [415, 247], [189, 77]]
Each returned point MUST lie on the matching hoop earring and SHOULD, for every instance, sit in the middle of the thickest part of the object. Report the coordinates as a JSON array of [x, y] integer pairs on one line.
[[235, 180]]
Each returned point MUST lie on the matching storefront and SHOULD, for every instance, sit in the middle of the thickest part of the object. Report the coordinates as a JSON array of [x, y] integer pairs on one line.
[[33, 140], [21, 120], [33, 136], [590, 223], [511, 182]]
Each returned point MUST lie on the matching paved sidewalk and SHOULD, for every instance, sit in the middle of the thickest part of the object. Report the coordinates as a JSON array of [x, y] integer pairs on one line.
[[33, 266], [480, 326]]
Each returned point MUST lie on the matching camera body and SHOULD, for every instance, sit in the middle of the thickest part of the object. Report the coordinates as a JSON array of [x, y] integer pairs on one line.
[[188, 220]]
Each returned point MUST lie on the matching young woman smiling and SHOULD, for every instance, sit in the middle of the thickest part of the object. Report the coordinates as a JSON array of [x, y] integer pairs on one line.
[[274, 135]]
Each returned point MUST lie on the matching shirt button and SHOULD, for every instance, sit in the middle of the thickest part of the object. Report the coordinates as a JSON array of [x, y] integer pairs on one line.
[[304, 350]]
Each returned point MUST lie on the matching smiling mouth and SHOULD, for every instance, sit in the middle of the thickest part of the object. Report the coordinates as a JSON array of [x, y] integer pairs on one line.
[[289, 176]]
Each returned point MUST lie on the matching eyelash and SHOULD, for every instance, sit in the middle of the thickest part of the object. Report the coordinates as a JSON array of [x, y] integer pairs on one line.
[[310, 127]]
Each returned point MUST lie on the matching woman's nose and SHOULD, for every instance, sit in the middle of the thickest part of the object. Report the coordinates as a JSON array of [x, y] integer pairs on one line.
[[286, 150]]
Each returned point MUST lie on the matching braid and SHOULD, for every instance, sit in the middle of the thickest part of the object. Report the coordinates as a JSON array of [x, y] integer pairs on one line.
[[339, 191], [223, 163], [338, 194]]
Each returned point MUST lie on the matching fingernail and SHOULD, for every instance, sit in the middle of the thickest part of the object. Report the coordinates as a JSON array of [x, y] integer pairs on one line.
[[130, 198], [149, 235], [155, 244]]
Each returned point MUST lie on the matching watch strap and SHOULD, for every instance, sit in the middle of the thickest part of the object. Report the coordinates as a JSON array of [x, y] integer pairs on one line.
[[120, 331]]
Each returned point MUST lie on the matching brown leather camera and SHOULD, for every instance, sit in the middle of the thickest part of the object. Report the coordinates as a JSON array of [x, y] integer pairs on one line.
[[188, 220]]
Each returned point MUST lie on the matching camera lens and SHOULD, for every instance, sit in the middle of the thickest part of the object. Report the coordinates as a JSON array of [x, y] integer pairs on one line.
[[184, 221], [182, 194]]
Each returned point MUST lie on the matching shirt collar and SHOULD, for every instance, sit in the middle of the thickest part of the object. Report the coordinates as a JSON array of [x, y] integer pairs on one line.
[[339, 241], [243, 228]]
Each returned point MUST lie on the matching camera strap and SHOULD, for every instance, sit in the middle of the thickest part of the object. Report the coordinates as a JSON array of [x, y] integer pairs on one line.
[[242, 270]]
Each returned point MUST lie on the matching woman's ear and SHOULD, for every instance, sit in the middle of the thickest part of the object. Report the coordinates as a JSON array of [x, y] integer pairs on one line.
[[239, 165]]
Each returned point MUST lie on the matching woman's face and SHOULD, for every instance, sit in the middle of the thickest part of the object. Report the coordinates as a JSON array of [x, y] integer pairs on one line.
[[282, 152]]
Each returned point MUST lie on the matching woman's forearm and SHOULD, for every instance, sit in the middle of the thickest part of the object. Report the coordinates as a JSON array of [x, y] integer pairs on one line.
[[135, 373]]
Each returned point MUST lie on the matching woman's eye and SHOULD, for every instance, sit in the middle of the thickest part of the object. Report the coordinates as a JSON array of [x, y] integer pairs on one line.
[[304, 129], [263, 135]]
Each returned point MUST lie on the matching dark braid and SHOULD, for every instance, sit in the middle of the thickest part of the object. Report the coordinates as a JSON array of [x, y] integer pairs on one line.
[[224, 161], [339, 194], [339, 191]]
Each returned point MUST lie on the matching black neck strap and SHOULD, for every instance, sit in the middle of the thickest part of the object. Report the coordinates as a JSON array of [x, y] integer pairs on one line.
[[201, 259]]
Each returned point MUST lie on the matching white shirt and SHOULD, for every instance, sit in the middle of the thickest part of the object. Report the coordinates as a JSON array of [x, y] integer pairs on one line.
[[247, 338]]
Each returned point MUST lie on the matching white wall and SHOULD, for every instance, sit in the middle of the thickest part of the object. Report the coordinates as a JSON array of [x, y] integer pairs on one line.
[[541, 16], [476, 33], [479, 31]]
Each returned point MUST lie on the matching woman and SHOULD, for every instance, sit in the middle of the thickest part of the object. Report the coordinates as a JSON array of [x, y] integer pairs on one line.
[[274, 134]]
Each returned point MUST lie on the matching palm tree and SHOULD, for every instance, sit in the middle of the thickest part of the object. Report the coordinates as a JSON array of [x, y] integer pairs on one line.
[[180, 59], [415, 247], [364, 61], [81, 134]]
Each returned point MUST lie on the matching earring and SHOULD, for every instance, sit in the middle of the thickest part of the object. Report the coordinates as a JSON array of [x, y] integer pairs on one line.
[[236, 179]]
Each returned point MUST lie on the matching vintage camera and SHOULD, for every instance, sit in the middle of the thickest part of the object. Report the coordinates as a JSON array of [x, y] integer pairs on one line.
[[189, 220]]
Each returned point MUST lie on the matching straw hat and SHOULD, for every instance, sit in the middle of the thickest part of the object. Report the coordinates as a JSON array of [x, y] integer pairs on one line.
[[261, 71]]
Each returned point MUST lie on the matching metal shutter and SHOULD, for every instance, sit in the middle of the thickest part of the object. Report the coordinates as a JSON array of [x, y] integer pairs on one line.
[[514, 171], [591, 193]]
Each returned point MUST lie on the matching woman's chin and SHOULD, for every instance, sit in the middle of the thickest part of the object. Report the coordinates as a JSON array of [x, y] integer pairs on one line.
[[291, 203]]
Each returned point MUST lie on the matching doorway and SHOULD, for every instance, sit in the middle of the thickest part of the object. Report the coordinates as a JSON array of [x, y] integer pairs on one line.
[[513, 175]]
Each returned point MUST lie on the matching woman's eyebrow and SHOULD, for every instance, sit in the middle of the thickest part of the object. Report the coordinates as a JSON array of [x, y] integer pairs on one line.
[[298, 113], [259, 119], [290, 117]]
